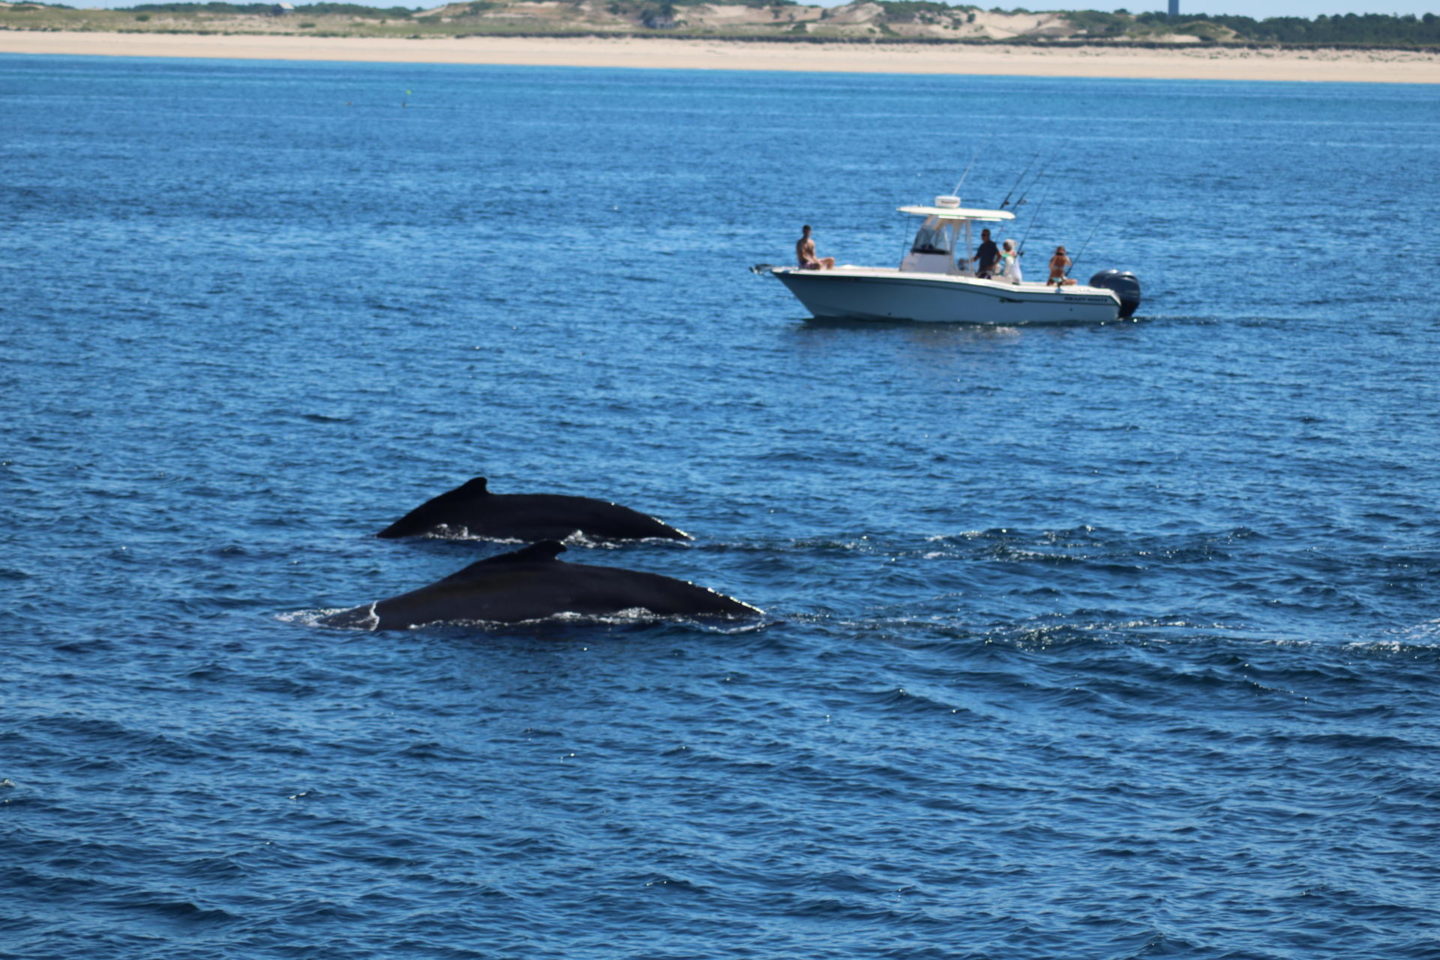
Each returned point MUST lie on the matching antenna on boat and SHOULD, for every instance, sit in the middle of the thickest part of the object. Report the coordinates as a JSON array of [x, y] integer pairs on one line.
[[974, 154]]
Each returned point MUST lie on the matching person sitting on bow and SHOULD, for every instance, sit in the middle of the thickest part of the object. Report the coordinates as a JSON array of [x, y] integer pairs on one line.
[[805, 253]]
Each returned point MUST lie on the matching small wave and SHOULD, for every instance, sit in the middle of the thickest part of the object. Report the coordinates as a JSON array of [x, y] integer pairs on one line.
[[107, 736], [283, 685], [856, 544], [1423, 634], [576, 538], [1088, 545], [445, 532], [432, 750], [1362, 744], [853, 908], [1424, 649], [671, 884], [180, 911], [210, 671], [636, 616], [213, 868], [317, 618], [901, 701]]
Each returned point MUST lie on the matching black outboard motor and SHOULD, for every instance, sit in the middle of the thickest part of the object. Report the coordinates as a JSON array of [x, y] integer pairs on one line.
[[1125, 286]]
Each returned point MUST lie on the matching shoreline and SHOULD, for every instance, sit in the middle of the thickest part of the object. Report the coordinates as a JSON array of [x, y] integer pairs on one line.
[[1206, 62]]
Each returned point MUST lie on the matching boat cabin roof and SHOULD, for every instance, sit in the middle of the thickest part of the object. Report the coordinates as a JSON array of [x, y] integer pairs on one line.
[[959, 213]]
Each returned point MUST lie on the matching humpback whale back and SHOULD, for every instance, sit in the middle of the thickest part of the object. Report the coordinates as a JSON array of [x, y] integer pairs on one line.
[[531, 584], [471, 509]]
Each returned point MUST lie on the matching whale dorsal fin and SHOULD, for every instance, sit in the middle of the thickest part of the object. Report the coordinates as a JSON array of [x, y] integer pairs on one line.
[[435, 510], [541, 552]]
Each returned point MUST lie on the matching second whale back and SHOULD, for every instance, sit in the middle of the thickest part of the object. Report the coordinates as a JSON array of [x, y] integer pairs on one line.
[[472, 510]]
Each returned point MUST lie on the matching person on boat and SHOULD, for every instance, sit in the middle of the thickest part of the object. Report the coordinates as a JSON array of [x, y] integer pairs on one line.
[[1010, 263], [1059, 265], [805, 253], [985, 256]]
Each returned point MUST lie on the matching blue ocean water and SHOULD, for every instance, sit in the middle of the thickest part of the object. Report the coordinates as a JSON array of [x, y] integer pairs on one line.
[[1102, 642]]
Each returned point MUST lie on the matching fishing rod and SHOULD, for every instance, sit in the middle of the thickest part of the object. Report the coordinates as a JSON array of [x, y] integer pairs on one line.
[[1033, 217], [1076, 259], [1006, 202], [1021, 202]]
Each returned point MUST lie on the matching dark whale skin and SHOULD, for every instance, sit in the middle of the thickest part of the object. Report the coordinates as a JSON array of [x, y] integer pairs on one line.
[[530, 584], [472, 509]]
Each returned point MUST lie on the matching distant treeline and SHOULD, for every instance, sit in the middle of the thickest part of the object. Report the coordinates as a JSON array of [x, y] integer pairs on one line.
[[319, 9], [1350, 28]]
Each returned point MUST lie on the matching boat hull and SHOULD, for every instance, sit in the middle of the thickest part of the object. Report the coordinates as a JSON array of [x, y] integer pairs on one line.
[[850, 293]]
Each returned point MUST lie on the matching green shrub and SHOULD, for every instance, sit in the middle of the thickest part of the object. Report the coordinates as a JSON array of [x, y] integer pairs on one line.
[[1098, 24]]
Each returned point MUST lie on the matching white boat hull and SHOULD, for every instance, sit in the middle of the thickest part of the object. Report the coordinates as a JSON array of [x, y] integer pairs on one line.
[[872, 293]]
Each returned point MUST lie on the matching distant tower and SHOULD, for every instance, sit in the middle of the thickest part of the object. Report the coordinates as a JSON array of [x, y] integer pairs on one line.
[[1174, 8]]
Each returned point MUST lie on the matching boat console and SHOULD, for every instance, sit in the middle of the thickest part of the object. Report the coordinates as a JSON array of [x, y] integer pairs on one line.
[[944, 231]]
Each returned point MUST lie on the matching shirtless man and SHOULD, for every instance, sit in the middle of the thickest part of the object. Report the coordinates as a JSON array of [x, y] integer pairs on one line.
[[805, 253]]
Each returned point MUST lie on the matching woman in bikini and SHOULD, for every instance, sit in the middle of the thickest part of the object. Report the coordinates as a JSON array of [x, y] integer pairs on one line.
[[1059, 264]]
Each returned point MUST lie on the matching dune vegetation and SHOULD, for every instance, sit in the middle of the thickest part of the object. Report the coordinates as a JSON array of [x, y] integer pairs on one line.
[[863, 20]]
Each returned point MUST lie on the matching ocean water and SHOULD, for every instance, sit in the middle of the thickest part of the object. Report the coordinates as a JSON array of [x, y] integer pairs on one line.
[[1105, 642]]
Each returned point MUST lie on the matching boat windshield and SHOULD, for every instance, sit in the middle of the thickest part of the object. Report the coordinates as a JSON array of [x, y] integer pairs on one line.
[[933, 237]]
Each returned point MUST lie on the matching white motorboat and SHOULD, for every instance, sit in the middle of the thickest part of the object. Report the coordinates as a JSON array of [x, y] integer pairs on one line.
[[936, 282]]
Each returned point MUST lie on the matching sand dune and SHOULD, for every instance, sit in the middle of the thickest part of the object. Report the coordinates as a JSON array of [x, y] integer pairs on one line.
[[1189, 62]]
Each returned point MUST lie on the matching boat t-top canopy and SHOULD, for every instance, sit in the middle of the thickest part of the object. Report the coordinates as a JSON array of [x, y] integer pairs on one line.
[[960, 213], [948, 208], [943, 233]]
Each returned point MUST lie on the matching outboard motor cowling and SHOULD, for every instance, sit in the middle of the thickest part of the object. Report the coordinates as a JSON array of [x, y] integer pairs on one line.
[[1124, 285]]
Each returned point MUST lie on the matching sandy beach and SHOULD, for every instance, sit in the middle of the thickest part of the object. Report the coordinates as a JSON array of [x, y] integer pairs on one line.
[[1197, 62]]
